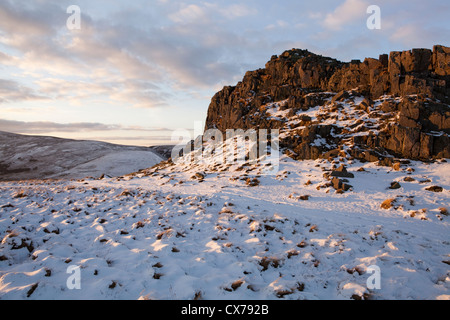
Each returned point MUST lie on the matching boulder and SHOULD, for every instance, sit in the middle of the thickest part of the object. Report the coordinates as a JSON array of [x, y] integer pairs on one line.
[[342, 172]]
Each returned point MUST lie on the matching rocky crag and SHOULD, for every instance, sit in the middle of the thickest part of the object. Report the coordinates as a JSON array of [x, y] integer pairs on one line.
[[385, 109]]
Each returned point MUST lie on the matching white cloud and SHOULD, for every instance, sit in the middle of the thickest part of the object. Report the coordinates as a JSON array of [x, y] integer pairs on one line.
[[414, 35], [13, 91], [190, 13], [348, 12], [47, 126], [238, 11]]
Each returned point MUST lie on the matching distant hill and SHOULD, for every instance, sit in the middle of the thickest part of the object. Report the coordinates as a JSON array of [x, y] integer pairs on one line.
[[24, 157]]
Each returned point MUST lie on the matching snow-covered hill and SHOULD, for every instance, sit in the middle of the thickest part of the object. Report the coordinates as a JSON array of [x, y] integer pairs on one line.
[[204, 231], [37, 157]]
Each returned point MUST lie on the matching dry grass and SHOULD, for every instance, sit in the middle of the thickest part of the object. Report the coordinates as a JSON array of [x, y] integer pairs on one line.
[[126, 193], [157, 276], [237, 284], [269, 261], [252, 182], [20, 194], [387, 204], [282, 293]]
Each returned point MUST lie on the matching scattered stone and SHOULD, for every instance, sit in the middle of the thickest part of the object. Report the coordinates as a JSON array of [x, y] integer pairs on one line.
[[443, 211], [342, 172], [282, 293], [252, 182], [340, 96], [302, 244], [32, 289], [304, 118], [292, 253], [435, 189], [269, 261], [395, 185], [199, 176], [236, 285], [157, 276], [339, 184]]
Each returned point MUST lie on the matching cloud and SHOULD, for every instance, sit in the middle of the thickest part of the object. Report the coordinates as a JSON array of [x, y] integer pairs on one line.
[[127, 92], [189, 14], [414, 35], [348, 12], [238, 11], [39, 127], [113, 58], [21, 20], [13, 91]]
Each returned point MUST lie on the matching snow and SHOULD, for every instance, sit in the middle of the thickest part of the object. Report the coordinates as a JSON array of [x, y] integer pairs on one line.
[[113, 164], [163, 234], [37, 157], [274, 110], [215, 229]]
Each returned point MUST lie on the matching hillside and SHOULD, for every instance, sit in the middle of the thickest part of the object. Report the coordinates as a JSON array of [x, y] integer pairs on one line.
[[37, 157], [362, 180], [228, 232]]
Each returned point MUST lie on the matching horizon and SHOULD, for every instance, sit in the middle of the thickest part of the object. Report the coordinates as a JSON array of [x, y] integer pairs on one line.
[[133, 73]]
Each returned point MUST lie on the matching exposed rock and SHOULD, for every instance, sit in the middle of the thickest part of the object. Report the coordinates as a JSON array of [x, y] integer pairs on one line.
[[435, 189], [339, 184], [342, 172], [395, 185], [408, 93]]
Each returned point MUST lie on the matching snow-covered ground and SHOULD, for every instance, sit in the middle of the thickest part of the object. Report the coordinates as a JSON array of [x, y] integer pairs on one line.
[[38, 157], [208, 232]]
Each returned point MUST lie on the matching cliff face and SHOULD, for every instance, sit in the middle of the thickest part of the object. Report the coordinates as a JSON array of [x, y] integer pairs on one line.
[[397, 105]]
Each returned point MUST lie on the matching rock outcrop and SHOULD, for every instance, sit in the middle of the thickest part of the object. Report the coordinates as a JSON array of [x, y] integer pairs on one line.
[[375, 110]]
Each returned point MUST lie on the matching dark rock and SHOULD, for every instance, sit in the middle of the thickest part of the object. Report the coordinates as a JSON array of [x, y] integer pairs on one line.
[[395, 185], [342, 173], [338, 184], [435, 189], [340, 96]]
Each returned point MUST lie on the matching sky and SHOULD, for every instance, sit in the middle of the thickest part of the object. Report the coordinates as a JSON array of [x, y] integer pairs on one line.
[[135, 71]]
